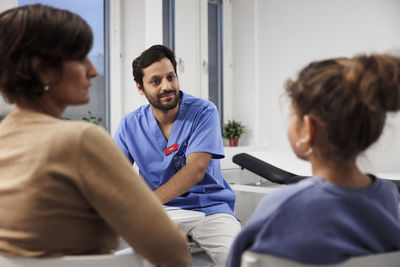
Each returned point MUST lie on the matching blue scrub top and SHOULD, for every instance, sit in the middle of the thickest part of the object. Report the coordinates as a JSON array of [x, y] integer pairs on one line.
[[196, 129]]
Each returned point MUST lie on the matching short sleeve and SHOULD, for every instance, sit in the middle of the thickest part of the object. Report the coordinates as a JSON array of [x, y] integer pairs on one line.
[[206, 135], [120, 139]]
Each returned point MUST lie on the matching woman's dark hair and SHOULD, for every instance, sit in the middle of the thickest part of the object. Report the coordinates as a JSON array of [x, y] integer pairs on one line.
[[349, 99], [148, 57], [33, 40]]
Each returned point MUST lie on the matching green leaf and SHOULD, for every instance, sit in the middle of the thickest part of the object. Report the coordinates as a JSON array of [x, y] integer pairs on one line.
[[90, 117]]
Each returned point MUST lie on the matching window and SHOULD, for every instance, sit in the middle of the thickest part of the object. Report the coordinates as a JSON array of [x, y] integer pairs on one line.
[[169, 23], [94, 12], [215, 85]]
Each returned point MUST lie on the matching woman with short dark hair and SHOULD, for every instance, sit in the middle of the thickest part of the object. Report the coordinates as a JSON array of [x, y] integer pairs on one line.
[[65, 187]]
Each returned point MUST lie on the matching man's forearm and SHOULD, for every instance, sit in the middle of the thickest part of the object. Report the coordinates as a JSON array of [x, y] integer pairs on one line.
[[192, 173], [179, 184]]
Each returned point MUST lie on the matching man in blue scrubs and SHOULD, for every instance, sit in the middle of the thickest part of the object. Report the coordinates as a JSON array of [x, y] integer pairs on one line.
[[176, 142]]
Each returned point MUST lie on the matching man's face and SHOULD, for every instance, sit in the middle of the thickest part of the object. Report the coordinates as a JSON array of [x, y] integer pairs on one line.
[[160, 85]]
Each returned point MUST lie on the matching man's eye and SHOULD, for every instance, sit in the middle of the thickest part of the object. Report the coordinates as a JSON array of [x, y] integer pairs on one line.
[[170, 78], [155, 81]]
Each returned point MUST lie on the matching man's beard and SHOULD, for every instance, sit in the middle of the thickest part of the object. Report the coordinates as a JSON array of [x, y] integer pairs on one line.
[[167, 106]]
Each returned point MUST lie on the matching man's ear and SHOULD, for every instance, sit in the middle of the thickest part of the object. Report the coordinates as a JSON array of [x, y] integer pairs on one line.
[[139, 88], [310, 128]]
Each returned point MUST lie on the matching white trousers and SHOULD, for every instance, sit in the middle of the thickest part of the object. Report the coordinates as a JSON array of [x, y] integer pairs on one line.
[[215, 234]]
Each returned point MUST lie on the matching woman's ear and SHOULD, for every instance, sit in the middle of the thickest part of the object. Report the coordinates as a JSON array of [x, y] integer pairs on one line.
[[45, 75]]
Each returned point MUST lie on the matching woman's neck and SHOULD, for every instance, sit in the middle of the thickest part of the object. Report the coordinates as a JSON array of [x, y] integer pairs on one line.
[[41, 105]]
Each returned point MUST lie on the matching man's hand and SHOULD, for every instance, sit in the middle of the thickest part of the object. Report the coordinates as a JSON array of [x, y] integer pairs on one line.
[[192, 173]]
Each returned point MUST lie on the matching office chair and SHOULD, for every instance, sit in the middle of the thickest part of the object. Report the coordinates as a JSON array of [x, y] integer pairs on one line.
[[389, 259]]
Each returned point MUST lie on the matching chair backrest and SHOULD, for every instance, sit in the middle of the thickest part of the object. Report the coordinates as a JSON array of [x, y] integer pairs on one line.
[[109, 260], [390, 259]]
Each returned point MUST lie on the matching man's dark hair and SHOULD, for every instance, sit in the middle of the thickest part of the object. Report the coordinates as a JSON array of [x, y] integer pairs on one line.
[[148, 57]]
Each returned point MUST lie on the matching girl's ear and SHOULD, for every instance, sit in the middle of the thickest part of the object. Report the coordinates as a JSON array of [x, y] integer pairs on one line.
[[310, 128], [140, 89]]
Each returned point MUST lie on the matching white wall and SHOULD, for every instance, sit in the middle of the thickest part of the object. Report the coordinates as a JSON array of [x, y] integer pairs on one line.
[[244, 88], [7, 4], [191, 46], [187, 44], [272, 40], [135, 26]]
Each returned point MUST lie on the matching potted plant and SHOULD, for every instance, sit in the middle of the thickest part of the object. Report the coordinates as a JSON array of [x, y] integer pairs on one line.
[[232, 131]]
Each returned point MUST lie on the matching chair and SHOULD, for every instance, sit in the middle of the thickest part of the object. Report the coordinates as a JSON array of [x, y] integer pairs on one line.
[[109, 260], [266, 170], [273, 173], [389, 259]]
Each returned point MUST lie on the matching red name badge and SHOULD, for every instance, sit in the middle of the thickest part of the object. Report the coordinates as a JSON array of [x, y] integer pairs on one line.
[[170, 149]]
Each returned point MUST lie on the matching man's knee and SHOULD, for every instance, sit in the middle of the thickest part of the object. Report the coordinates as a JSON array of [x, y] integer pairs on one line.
[[215, 234]]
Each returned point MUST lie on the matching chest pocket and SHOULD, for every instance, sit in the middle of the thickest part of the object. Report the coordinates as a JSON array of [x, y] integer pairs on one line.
[[179, 158]]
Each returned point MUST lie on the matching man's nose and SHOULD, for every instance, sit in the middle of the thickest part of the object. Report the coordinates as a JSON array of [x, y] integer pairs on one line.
[[165, 85]]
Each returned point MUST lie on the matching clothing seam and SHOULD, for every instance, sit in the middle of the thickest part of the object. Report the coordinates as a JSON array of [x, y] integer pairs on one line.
[[78, 158]]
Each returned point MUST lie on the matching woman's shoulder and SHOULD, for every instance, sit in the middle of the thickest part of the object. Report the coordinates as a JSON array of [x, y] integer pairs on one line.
[[78, 131], [75, 127]]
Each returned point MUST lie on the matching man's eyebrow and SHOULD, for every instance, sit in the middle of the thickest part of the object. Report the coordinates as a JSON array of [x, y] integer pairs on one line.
[[157, 76], [154, 77]]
